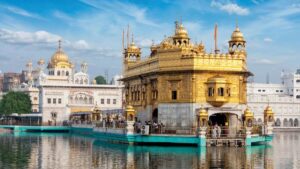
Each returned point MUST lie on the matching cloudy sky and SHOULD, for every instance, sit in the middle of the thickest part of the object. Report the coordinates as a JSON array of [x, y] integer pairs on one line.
[[92, 30]]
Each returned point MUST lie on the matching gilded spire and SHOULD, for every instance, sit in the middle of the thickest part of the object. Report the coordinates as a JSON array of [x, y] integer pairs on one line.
[[132, 41], [59, 45]]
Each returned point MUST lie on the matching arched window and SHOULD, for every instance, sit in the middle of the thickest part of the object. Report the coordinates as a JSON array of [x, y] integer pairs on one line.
[[211, 91], [58, 73], [278, 122], [81, 81], [296, 123], [221, 91]]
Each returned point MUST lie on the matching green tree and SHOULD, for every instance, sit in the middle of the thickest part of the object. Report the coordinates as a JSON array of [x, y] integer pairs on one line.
[[100, 80], [15, 102]]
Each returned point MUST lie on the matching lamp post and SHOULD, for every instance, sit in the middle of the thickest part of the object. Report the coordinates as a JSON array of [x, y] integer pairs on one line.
[[248, 122], [269, 120], [130, 119], [202, 126]]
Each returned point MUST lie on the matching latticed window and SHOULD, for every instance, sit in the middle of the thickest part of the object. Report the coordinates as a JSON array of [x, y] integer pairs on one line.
[[211, 91], [221, 91]]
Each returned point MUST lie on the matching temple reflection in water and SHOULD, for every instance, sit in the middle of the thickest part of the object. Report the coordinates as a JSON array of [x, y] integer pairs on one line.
[[57, 151]]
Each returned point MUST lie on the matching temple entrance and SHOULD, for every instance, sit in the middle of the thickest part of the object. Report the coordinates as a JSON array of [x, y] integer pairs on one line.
[[229, 123], [219, 119], [155, 115]]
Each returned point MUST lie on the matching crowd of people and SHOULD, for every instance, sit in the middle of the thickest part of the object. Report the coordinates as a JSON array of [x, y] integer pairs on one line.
[[216, 131], [154, 127]]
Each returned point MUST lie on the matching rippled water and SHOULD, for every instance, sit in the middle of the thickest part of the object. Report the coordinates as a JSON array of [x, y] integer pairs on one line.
[[59, 151]]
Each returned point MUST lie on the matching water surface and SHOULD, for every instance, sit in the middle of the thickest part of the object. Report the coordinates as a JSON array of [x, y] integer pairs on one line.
[[66, 151]]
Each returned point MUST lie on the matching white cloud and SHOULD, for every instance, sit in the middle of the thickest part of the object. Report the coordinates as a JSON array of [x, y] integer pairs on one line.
[[138, 13], [268, 40], [264, 61], [20, 11], [81, 45], [22, 37], [145, 43], [41, 38], [230, 8]]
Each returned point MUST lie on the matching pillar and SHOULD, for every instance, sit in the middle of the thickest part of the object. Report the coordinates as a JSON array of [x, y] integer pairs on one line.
[[202, 126]]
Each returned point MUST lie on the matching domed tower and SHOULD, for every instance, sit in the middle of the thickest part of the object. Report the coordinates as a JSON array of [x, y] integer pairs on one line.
[[181, 37], [132, 53], [237, 44], [59, 64]]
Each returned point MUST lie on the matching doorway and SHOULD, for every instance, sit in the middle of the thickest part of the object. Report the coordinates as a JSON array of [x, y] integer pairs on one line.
[[220, 119], [155, 115]]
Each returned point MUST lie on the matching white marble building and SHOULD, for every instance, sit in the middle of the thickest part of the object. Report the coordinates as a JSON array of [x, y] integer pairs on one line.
[[284, 99], [62, 92]]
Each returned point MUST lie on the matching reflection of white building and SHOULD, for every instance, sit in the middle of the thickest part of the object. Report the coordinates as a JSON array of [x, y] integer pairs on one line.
[[62, 92], [284, 98]]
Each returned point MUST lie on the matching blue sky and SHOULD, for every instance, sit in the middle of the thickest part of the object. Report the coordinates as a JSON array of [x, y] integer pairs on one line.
[[92, 30]]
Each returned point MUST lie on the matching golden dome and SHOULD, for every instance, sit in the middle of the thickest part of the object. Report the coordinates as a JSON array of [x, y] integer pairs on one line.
[[59, 59], [248, 113], [237, 35], [268, 110], [181, 31], [133, 46], [203, 112], [59, 56]]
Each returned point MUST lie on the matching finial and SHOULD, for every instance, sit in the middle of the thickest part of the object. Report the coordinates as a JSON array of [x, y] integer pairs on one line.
[[152, 42], [236, 23], [180, 20], [132, 38], [123, 40], [176, 24], [128, 36], [59, 44], [216, 39]]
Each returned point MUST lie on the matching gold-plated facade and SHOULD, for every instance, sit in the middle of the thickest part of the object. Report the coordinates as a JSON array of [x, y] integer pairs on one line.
[[180, 72]]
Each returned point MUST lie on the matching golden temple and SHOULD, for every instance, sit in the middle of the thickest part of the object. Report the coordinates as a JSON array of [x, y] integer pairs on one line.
[[178, 77]]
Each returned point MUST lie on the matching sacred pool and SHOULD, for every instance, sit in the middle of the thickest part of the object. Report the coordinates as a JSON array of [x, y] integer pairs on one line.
[[63, 150]]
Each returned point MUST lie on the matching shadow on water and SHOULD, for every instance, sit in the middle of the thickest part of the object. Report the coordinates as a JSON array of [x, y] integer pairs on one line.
[[63, 150]]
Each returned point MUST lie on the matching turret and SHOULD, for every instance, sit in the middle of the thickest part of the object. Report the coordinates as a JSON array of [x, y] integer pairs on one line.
[[237, 43], [268, 115], [248, 115], [181, 37]]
